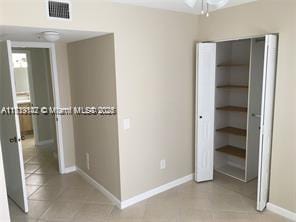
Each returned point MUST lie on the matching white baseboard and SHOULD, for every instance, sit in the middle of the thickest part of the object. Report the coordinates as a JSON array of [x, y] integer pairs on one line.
[[67, 170], [45, 142], [138, 198], [155, 191], [281, 211], [99, 187]]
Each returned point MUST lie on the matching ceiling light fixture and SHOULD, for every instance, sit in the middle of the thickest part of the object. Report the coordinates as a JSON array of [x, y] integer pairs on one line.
[[50, 36], [206, 4]]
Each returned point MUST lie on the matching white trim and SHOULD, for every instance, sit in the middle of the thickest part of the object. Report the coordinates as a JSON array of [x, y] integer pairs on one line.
[[138, 198], [99, 187], [70, 169], [57, 103], [56, 92], [45, 142], [155, 191], [281, 211]]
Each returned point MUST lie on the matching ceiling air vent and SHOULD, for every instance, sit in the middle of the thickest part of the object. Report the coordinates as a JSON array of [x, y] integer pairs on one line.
[[59, 9]]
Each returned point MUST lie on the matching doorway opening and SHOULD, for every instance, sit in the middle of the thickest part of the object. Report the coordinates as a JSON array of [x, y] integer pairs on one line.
[[235, 99], [31, 140], [33, 88]]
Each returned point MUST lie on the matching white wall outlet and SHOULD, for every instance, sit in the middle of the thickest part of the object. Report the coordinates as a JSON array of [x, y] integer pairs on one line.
[[87, 161], [126, 124], [162, 164]]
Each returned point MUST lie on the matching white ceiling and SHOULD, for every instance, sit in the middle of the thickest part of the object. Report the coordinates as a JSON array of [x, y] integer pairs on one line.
[[16, 33], [176, 5]]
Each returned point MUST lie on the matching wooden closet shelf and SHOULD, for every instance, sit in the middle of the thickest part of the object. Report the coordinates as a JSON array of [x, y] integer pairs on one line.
[[233, 130], [232, 65], [233, 151], [233, 109], [233, 87]]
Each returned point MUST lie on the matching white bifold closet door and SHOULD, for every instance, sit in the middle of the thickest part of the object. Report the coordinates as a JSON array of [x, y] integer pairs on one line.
[[205, 114], [10, 135], [268, 89]]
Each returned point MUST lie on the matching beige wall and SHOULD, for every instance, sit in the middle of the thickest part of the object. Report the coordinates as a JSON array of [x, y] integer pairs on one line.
[[93, 83], [269, 16]]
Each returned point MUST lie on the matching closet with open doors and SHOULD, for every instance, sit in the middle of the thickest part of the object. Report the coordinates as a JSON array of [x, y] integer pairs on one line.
[[234, 110]]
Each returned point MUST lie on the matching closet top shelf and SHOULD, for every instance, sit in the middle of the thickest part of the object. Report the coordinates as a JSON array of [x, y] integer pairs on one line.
[[233, 87], [233, 65]]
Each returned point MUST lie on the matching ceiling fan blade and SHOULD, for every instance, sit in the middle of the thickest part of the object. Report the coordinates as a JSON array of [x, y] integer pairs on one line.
[[191, 3]]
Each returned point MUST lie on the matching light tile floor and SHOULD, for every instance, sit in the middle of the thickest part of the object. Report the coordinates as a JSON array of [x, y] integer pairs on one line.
[[68, 198]]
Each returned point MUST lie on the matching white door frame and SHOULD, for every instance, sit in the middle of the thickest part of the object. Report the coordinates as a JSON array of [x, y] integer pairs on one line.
[[56, 92]]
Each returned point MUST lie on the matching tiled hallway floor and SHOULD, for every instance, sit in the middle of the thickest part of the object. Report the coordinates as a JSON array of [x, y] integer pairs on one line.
[[68, 198]]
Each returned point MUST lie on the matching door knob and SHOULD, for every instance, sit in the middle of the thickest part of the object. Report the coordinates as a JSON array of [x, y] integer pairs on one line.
[[256, 115], [13, 140]]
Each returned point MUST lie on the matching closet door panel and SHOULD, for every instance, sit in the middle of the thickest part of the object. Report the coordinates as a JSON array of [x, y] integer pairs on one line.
[[205, 111], [10, 135], [254, 111], [270, 61]]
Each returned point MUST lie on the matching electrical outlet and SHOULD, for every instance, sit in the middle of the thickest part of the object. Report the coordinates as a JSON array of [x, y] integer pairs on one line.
[[162, 164], [87, 161]]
